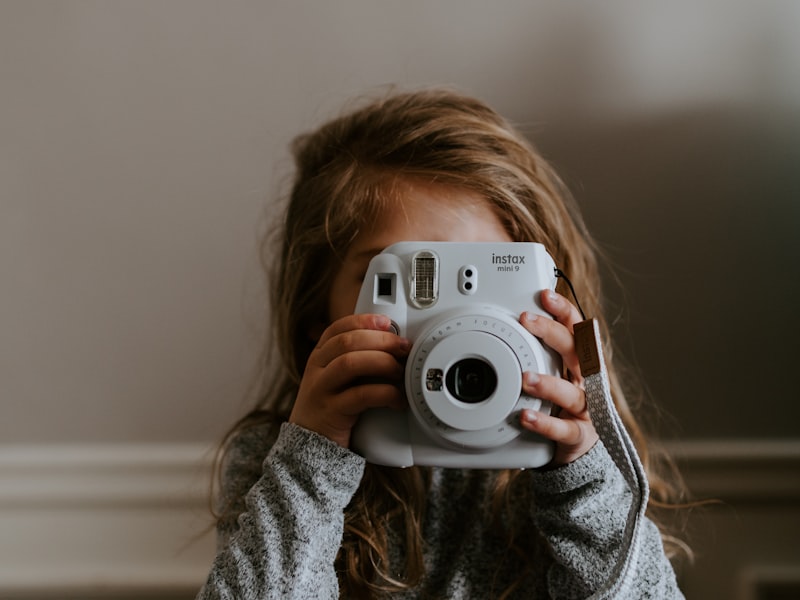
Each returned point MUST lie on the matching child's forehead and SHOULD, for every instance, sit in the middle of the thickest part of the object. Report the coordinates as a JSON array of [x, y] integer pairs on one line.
[[417, 203], [429, 213]]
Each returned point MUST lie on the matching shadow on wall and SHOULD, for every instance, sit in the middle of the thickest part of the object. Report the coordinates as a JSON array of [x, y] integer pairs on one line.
[[698, 213]]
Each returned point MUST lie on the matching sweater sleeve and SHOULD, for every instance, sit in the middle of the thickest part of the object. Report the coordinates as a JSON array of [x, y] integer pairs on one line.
[[291, 528], [581, 509]]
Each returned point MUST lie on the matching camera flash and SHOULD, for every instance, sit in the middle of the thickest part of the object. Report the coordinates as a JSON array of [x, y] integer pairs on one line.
[[424, 279]]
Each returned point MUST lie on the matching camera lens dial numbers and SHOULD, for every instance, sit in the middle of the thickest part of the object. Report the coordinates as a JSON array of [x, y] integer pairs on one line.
[[464, 376]]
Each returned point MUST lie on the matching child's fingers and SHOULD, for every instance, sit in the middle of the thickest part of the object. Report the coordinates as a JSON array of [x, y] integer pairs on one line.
[[331, 397], [555, 335], [572, 429], [346, 369], [358, 398], [355, 322], [335, 343], [561, 431], [567, 396], [335, 415], [562, 309]]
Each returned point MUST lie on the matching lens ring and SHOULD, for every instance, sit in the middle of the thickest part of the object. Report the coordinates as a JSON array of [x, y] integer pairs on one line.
[[494, 337], [439, 408]]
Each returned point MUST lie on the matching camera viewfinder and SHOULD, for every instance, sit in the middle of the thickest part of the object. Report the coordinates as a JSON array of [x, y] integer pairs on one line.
[[384, 285]]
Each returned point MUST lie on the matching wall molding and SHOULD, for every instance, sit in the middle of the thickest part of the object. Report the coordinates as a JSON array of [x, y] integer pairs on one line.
[[104, 520], [131, 520], [104, 474], [760, 471]]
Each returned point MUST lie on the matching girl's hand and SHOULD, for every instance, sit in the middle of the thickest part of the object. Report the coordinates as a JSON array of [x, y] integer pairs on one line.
[[570, 427], [356, 365]]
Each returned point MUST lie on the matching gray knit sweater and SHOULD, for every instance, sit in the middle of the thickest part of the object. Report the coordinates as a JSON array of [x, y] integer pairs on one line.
[[291, 523]]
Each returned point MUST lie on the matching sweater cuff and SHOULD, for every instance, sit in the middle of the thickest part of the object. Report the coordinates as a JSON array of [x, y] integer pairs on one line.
[[594, 466], [313, 457]]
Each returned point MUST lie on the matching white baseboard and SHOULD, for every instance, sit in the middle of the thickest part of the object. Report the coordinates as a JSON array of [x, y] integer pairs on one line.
[[125, 521], [105, 521]]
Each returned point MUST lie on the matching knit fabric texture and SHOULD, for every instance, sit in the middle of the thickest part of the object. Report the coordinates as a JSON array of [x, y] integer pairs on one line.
[[291, 493]]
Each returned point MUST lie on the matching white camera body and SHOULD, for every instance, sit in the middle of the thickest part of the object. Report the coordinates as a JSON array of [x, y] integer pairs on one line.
[[460, 303]]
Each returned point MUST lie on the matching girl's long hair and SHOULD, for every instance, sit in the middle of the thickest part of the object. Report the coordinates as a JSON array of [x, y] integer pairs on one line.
[[346, 171]]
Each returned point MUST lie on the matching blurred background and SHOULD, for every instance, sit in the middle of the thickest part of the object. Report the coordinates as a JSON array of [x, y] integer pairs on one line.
[[143, 146]]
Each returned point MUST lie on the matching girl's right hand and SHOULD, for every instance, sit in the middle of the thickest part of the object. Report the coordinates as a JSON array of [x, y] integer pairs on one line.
[[358, 363]]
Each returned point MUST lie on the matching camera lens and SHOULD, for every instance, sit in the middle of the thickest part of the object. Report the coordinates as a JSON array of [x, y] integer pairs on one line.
[[471, 380]]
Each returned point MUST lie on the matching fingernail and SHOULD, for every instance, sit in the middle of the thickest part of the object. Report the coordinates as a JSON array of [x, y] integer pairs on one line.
[[553, 297], [531, 378], [529, 416], [529, 317]]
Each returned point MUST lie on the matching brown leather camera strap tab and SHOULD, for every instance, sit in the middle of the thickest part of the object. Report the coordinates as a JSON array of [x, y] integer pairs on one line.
[[587, 347]]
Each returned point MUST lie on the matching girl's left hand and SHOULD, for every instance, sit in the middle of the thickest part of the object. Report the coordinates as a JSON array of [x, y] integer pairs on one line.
[[570, 428]]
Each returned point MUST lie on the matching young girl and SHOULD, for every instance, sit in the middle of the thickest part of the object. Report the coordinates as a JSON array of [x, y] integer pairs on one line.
[[301, 514]]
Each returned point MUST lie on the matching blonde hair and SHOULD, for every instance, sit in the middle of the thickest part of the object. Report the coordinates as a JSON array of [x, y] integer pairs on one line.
[[345, 171]]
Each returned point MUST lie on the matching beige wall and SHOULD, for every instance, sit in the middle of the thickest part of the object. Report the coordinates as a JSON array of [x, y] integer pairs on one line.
[[142, 143]]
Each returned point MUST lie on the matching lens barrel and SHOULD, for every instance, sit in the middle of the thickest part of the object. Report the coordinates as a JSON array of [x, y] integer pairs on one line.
[[471, 380]]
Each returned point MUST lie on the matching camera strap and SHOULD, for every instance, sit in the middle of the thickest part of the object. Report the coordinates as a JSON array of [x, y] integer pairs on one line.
[[612, 432]]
